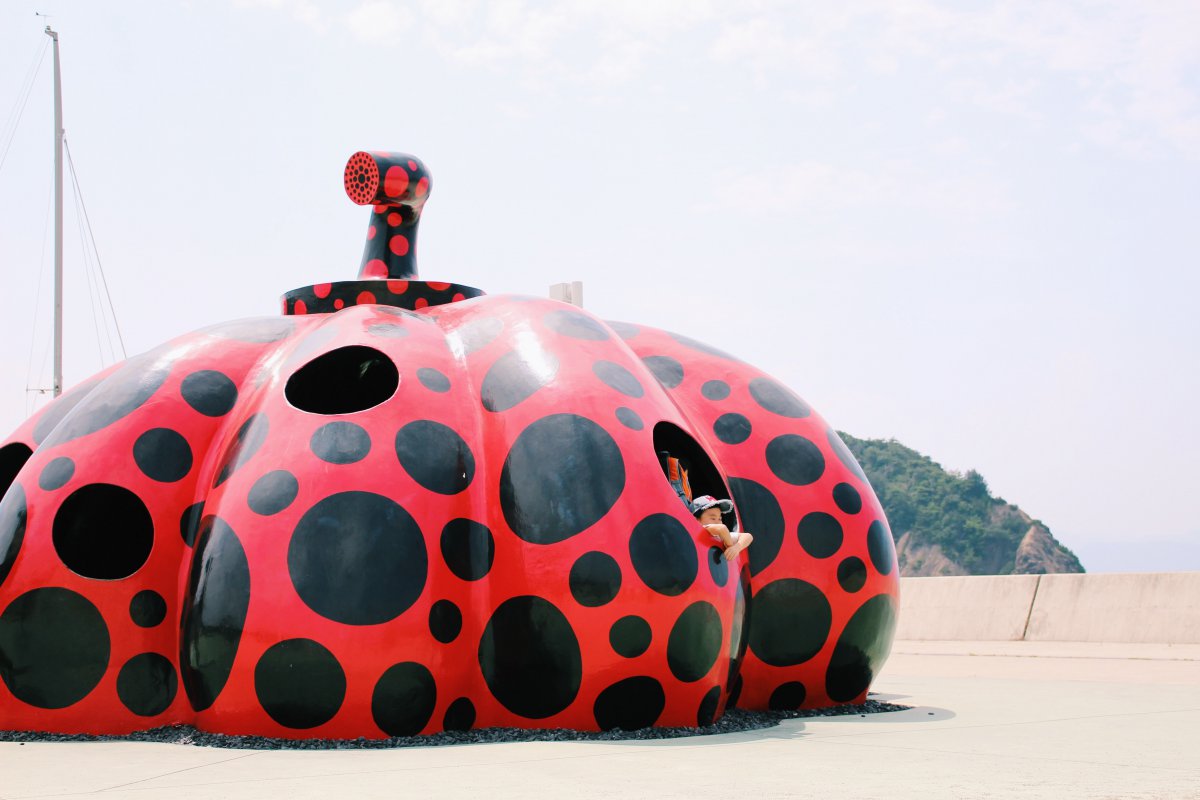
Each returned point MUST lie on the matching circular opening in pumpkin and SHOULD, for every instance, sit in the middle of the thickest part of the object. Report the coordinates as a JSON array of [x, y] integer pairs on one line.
[[688, 469], [343, 381]]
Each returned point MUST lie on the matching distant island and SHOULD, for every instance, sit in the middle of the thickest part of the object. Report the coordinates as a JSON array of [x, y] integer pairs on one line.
[[946, 523]]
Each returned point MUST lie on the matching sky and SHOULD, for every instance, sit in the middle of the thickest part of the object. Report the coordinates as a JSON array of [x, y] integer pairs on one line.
[[969, 226]]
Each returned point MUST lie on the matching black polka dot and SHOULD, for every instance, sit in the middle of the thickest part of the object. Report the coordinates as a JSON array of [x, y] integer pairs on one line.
[[623, 329], [718, 566], [103, 531], [12, 460], [663, 552], [787, 696], [54, 647], [629, 636], [847, 498], [699, 346], [575, 325], [820, 534], [189, 523], [445, 621], [273, 492], [14, 514], [163, 455], [259, 331], [340, 443], [562, 475], [630, 704], [530, 658], [299, 683], [732, 428], [629, 418], [246, 442], [358, 558], [880, 547], [404, 699], [778, 399], [617, 377], [715, 390], [844, 455], [433, 380], [795, 460], [147, 608], [694, 642], [57, 411], [211, 393], [667, 370], [214, 612], [56, 474], [147, 684], [115, 398], [595, 579], [387, 330], [707, 712], [468, 548], [514, 378], [861, 649], [435, 456], [852, 574], [791, 622], [762, 516], [460, 716]]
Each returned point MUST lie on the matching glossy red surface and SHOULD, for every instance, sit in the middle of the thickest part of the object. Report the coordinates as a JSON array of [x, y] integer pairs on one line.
[[384, 521]]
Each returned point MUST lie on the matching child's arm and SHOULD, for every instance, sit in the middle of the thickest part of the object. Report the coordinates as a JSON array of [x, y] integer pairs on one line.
[[732, 546], [721, 532]]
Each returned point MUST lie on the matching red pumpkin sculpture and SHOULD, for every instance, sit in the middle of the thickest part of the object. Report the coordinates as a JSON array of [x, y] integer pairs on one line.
[[405, 507]]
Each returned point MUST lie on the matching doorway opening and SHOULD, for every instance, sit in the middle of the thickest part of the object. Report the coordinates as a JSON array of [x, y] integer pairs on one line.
[[689, 469]]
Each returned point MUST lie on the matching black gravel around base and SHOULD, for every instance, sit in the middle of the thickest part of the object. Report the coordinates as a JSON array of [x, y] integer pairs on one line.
[[734, 721]]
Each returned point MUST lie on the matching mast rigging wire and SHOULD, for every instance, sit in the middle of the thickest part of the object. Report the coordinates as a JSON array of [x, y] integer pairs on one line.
[[14, 116], [37, 304], [95, 250], [87, 274]]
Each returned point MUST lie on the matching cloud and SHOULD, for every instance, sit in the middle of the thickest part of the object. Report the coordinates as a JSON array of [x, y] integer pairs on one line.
[[764, 45], [1134, 66], [1123, 75], [306, 12], [377, 21], [562, 43], [822, 190], [619, 63]]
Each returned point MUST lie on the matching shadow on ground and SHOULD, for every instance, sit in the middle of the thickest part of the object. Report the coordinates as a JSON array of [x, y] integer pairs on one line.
[[764, 724]]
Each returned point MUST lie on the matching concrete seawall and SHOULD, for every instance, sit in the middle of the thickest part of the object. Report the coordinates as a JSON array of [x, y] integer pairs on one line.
[[1141, 608]]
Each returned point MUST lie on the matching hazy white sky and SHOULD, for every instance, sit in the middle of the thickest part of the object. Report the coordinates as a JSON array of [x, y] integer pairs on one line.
[[970, 226]]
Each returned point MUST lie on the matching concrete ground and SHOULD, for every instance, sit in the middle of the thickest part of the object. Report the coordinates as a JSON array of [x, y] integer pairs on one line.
[[989, 719]]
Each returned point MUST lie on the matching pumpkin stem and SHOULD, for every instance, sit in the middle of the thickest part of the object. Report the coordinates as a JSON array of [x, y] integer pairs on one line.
[[398, 186]]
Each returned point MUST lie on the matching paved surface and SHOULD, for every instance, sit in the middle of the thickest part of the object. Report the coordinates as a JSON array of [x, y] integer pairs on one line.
[[990, 719]]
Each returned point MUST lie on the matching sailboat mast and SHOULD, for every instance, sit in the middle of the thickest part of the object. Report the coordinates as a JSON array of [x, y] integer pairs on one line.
[[58, 220]]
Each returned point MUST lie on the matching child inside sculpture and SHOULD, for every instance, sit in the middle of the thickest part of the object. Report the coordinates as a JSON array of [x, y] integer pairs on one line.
[[708, 510]]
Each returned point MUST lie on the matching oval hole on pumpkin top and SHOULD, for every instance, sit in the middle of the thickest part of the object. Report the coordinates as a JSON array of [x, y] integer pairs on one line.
[[688, 468], [343, 381]]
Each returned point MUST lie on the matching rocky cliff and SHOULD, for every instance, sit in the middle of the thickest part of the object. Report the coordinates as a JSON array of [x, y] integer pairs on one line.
[[946, 523]]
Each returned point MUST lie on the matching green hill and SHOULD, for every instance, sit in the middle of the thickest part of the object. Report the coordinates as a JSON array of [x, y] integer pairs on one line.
[[946, 523]]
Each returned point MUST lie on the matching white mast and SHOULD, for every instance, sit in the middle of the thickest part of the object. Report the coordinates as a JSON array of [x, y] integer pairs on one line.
[[58, 220]]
